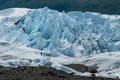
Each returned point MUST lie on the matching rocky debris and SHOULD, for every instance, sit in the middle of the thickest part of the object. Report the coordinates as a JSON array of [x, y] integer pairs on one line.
[[41, 73]]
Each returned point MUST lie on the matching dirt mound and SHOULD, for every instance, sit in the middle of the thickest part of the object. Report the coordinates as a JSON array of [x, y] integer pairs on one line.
[[40, 73], [83, 68]]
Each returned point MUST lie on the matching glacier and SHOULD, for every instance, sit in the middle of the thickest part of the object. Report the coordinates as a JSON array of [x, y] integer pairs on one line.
[[69, 37], [50, 30]]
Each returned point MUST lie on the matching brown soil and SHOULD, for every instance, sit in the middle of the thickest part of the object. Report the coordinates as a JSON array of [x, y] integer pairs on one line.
[[41, 73], [83, 68]]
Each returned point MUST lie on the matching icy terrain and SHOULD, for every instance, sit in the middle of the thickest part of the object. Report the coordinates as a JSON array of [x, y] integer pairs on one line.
[[64, 33], [74, 37]]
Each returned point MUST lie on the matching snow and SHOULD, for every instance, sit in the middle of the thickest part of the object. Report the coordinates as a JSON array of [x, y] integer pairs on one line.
[[13, 55], [108, 63], [75, 37], [13, 12]]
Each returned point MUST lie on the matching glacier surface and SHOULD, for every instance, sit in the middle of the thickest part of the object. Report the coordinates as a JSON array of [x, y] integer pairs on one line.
[[81, 37], [66, 33]]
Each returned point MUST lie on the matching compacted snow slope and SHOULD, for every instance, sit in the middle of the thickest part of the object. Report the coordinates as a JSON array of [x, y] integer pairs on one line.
[[87, 38]]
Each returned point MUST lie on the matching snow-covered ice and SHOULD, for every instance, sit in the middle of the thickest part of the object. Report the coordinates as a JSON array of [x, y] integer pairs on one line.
[[87, 38], [65, 33]]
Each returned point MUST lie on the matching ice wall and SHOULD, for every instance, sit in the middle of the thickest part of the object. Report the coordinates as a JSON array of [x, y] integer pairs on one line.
[[71, 34]]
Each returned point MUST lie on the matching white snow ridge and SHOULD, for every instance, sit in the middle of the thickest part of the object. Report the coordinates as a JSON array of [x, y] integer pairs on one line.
[[73, 37]]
